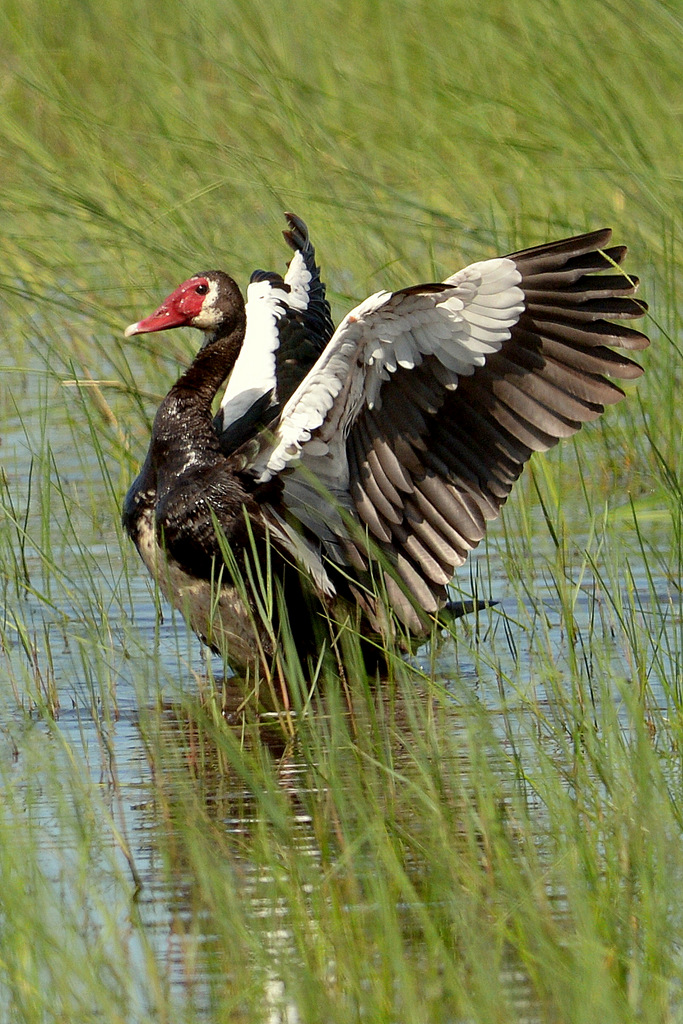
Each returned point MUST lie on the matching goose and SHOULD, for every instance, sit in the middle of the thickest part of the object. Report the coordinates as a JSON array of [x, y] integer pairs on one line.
[[367, 479], [288, 324]]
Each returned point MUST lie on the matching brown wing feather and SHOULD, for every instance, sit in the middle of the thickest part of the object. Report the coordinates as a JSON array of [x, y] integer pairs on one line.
[[430, 466]]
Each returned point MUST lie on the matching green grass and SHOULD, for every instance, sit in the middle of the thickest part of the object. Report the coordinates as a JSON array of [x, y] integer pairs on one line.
[[494, 834]]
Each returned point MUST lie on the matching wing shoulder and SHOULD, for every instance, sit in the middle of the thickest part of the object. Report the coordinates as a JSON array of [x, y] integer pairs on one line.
[[427, 403], [459, 322]]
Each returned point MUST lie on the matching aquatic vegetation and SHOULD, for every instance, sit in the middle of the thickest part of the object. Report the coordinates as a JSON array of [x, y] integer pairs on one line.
[[495, 832]]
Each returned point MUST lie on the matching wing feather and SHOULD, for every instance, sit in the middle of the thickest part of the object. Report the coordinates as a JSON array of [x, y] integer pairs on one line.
[[254, 373], [427, 403], [348, 374], [288, 326]]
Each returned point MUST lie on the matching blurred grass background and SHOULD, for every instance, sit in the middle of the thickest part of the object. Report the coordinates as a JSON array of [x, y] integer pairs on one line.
[[140, 145], [501, 844]]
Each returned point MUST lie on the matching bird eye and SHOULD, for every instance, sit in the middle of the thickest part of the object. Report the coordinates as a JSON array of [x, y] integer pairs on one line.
[[202, 289]]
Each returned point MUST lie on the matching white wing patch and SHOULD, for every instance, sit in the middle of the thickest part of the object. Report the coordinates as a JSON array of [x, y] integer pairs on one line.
[[461, 325], [254, 372], [298, 277]]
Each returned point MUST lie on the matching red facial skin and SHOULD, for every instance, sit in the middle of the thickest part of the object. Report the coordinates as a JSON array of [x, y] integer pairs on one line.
[[178, 310]]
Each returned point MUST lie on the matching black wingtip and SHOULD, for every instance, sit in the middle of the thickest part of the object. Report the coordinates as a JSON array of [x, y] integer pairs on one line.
[[276, 280], [576, 245], [297, 236]]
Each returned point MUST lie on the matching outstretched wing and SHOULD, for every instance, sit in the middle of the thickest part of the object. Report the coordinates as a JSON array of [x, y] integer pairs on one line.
[[288, 326], [424, 408]]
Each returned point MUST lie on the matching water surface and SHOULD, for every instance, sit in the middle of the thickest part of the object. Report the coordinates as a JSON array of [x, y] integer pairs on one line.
[[101, 682]]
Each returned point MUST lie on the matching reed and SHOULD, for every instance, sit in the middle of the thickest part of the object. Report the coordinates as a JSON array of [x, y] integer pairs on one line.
[[494, 831]]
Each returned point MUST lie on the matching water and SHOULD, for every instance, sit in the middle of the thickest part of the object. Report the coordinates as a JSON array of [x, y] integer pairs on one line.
[[100, 687]]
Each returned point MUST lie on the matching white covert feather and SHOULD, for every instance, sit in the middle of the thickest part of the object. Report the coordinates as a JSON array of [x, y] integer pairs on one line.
[[461, 327], [254, 373], [298, 277]]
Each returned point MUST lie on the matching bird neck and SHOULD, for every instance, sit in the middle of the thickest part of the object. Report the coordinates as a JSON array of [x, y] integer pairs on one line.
[[184, 419], [212, 364]]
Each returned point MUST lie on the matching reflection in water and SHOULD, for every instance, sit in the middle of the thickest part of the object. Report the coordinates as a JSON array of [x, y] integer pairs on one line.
[[187, 765], [180, 789], [185, 787], [173, 903]]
